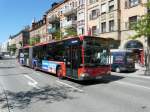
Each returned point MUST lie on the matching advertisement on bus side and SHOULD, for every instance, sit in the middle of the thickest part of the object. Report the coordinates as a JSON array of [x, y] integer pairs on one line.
[[49, 66]]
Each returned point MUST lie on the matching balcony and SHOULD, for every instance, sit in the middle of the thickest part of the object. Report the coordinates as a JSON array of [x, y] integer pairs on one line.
[[69, 11], [72, 23], [80, 7], [52, 30], [53, 18]]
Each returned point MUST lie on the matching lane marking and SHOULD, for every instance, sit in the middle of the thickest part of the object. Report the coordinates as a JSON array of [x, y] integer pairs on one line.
[[32, 82], [133, 85], [62, 83], [144, 77], [132, 75], [136, 76]]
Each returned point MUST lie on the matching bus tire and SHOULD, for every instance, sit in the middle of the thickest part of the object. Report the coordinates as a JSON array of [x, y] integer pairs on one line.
[[117, 70], [59, 72]]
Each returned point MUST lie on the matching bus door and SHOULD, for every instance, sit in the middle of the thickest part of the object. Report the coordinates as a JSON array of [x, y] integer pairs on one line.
[[72, 56]]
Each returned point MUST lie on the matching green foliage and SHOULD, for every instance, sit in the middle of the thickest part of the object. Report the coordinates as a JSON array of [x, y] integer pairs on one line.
[[21, 43], [12, 48], [57, 34], [34, 40], [71, 31], [142, 27]]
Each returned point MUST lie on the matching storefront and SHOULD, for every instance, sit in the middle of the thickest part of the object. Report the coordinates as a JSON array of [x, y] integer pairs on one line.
[[138, 50]]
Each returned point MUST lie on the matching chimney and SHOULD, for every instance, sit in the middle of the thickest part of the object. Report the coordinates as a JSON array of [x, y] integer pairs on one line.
[[54, 4]]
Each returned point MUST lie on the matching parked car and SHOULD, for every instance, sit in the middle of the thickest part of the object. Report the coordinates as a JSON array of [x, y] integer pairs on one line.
[[122, 60]]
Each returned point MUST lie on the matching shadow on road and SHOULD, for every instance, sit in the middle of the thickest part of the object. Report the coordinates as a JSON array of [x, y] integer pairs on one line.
[[47, 94], [7, 67], [104, 80]]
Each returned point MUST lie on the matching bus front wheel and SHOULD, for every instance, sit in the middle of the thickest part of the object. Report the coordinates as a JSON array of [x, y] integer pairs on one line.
[[118, 70]]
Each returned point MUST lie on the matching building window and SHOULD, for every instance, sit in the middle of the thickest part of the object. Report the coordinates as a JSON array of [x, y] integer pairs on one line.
[[81, 2], [133, 3], [111, 5], [92, 1], [111, 25], [103, 8], [94, 14], [103, 27], [94, 30], [132, 22]]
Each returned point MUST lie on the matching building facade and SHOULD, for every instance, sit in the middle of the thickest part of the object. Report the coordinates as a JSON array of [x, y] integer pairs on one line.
[[21, 39], [53, 21], [38, 30], [68, 16], [131, 11], [103, 18]]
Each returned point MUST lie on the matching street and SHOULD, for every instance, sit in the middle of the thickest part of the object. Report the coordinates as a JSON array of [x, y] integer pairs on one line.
[[24, 90]]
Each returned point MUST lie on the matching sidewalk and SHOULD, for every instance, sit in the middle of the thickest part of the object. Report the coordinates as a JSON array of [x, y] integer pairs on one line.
[[139, 73]]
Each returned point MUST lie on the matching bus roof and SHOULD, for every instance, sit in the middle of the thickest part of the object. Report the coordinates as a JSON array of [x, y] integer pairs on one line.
[[27, 46], [120, 50], [71, 37]]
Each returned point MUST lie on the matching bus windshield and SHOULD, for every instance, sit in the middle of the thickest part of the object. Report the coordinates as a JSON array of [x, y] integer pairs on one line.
[[95, 52]]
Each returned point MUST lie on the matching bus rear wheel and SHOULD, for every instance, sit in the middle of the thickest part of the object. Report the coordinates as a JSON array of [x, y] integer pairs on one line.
[[59, 73]]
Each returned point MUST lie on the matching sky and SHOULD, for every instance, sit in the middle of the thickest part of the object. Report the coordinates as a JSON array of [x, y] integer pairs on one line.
[[16, 14]]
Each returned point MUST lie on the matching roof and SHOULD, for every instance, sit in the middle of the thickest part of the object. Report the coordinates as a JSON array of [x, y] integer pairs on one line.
[[52, 8], [22, 31]]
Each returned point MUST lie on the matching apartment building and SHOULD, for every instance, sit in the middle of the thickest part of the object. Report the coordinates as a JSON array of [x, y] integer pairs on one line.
[[53, 21], [82, 17], [38, 30], [68, 16], [93, 23], [104, 18], [131, 11], [20, 39]]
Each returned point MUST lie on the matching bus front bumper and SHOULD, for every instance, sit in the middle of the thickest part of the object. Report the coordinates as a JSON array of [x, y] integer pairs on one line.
[[86, 76]]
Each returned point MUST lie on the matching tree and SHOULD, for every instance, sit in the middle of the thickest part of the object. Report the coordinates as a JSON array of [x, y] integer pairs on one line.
[[21, 43], [57, 34], [34, 40], [142, 28], [71, 31], [12, 48]]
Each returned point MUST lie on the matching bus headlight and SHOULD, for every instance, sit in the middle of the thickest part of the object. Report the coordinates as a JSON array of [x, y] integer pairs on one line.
[[109, 73], [83, 75]]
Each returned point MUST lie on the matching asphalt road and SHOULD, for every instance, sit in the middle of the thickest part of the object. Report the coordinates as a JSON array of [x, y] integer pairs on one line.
[[25, 90]]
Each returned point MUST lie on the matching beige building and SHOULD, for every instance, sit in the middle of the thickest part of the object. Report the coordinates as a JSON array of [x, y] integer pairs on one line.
[[104, 18], [68, 16], [131, 11], [38, 30], [61, 16], [20, 39], [53, 21], [114, 19]]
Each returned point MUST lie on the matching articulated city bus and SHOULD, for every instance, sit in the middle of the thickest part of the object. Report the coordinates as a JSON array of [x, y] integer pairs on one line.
[[79, 58]]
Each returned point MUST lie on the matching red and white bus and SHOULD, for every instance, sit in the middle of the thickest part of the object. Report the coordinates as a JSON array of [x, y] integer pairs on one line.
[[79, 58]]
